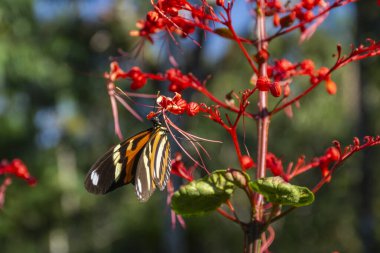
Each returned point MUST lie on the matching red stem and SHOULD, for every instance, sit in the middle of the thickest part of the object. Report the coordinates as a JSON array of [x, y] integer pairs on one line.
[[208, 94], [227, 215], [232, 132], [228, 23]]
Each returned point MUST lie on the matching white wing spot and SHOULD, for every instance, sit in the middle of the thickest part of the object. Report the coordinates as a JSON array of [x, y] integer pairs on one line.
[[138, 187], [118, 167], [160, 152], [94, 178], [130, 145], [147, 168], [116, 154], [117, 147]]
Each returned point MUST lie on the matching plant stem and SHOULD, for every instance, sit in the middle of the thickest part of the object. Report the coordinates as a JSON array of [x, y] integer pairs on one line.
[[252, 237], [262, 129]]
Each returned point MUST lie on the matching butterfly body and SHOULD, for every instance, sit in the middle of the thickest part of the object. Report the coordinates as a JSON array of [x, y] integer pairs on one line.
[[143, 160]]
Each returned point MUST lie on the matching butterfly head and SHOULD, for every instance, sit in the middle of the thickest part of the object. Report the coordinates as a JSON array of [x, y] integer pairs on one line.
[[156, 122]]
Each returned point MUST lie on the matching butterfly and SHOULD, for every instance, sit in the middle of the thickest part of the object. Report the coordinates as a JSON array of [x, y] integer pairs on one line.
[[143, 160]]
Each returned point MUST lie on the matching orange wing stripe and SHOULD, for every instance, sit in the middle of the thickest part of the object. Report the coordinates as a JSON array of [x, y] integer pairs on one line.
[[135, 144]]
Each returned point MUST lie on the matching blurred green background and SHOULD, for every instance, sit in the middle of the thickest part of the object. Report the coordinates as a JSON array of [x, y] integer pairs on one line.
[[55, 115]]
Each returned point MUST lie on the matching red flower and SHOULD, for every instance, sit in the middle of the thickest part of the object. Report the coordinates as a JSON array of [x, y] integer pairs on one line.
[[284, 65], [307, 66], [18, 169], [192, 109], [179, 168], [115, 72], [274, 164], [175, 105], [178, 81], [331, 155], [138, 78]]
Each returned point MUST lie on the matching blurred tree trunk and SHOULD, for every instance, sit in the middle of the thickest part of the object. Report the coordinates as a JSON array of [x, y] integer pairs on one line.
[[367, 27]]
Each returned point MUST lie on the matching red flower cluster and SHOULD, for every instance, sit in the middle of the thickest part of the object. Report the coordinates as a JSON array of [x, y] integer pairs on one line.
[[331, 155], [302, 11], [178, 105], [138, 78], [18, 169], [166, 16], [175, 105], [263, 83], [324, 162], [274, 164], [178, 80], [283, 69]]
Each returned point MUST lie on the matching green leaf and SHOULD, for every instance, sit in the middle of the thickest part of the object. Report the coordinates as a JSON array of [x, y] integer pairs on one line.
[[276, 190], [206, 194], [238, 177]]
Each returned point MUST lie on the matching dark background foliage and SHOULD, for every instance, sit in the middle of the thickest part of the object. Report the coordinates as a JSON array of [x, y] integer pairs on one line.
[[56, 116]]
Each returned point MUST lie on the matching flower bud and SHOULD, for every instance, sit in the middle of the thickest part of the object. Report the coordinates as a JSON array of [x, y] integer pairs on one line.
[[308, 4], [247, 162], [263, 83], [276, 19], [333, 153], [151, 115], [322, 72], [173, 87], [220, 2], [152, 16], [275, 89], [307, 66], [331, 87], [308, 16], [286, 90]]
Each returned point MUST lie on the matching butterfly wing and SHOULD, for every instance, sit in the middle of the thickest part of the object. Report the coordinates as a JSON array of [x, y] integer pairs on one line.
[[161, 161], [152, 169], [116, 167]]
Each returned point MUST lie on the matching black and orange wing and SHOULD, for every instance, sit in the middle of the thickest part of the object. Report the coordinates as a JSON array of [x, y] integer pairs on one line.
[[117, 166], [153, 167]]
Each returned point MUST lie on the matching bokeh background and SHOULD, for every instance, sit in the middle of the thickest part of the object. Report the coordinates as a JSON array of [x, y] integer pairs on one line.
[[55, 115]]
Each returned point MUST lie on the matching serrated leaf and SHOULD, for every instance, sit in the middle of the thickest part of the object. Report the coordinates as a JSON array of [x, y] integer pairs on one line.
[[276, 190], [203, 195]]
